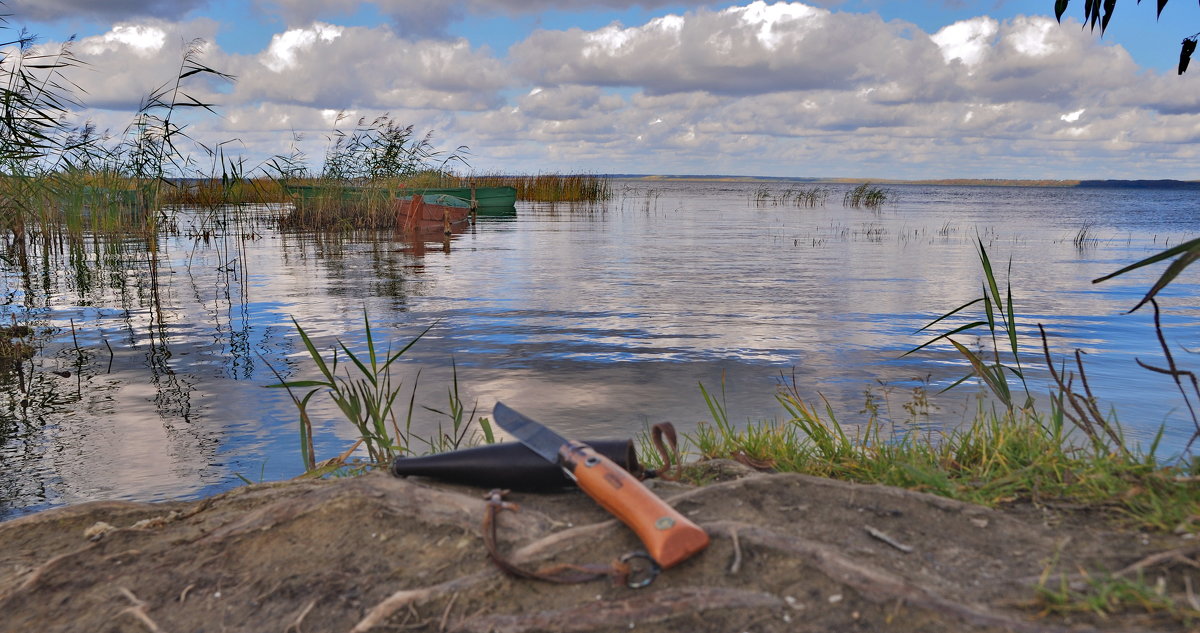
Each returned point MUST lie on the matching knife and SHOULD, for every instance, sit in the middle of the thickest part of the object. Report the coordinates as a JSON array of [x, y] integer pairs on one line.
[[669, 537]]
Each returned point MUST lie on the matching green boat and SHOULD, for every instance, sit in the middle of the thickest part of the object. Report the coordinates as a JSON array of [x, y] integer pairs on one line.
[[333, 192], [487, 199]]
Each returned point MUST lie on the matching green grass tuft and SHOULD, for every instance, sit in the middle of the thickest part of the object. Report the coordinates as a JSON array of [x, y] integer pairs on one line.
[[1000, 457]]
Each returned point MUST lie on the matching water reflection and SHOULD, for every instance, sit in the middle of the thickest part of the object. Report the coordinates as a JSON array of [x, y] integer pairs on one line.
[[599, 320]]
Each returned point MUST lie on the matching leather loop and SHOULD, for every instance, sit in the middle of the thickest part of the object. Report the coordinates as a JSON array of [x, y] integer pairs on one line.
[[560, 573], [668, 451]]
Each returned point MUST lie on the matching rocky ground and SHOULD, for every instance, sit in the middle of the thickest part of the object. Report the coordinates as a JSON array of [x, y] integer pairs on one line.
[[377, 553]]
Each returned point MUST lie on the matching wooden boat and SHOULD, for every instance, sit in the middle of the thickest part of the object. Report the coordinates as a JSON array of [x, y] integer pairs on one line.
[[428, 214], [328, 191], [486, 199]]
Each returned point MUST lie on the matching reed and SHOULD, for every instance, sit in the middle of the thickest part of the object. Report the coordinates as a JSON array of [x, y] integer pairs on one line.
[[1000, 322], [57, 177], [545, 187], [1014, 452], [810, 197], [14, 347], [332, 205], [365, 169], [866, 195], [1085, 237], [209, 192], [368, 395]]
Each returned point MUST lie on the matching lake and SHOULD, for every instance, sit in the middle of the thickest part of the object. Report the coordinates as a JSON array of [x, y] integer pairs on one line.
[[597, 320]]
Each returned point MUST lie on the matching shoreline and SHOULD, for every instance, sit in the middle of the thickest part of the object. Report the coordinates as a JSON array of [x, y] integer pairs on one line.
[[380, 553]]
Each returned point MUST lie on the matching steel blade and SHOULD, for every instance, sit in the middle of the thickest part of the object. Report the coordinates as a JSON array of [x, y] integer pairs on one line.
[[534, 435]]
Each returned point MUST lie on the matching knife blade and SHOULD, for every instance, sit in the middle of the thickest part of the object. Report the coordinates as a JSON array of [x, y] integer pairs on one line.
[[669, 537]]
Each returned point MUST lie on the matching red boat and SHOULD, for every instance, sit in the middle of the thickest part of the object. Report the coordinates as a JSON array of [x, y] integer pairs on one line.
[[436, 213]]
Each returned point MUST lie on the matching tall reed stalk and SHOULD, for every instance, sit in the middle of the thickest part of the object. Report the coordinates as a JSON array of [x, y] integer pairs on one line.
[[364, 389], [999, 326]]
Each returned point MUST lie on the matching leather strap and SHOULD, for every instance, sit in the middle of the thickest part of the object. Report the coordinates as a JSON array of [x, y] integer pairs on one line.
[[561, 573], [668, 451]]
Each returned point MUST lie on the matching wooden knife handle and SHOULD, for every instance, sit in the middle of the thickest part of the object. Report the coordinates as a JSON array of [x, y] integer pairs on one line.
[[669, 537]]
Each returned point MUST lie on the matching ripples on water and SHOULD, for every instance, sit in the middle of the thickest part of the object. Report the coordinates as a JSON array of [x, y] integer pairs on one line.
[[598, 321]]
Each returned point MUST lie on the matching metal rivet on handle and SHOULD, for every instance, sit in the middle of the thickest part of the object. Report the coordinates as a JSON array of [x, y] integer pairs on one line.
[[664, 523]]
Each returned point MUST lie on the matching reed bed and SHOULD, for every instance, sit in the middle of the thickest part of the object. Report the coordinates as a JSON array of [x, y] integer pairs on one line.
[[539, 188], [546, 187], [331, 206], [207, 192], [866, 195], [808, 197]]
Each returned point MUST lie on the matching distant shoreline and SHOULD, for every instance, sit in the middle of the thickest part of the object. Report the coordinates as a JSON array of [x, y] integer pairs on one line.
[[958, 182]]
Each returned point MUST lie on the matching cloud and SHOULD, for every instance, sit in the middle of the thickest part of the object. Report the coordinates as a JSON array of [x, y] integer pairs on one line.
[[105, 10], [967, 41], [368, 67], [741, 50], [131, 59], [784, 88], [562, 103], [410, 18], [430, 18]]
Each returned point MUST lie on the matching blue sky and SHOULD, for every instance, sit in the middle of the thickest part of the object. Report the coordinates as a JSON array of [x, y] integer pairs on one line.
[[921, 89]]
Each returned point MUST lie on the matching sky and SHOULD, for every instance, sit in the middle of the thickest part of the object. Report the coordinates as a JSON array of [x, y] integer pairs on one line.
[[921, 89]]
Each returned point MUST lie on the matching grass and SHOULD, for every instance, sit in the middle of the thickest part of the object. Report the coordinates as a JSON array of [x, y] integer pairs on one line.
[[1105, 594], [999, 457]]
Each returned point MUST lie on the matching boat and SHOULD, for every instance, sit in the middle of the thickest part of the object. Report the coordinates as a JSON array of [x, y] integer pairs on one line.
[[328, 191], [486, 199], [427, 214]]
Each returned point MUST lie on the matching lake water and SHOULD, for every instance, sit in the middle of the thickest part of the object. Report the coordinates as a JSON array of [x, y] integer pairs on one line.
[[596, 320]]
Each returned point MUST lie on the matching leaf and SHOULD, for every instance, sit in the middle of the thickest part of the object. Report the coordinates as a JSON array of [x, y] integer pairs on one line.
[[996, 383], [951, 313], [939, 337], [1109, 5], [301, 383], [1167, 254], [1170, 274], [1161, 4], [1060, 7], [312, 351], [1185, 53]]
